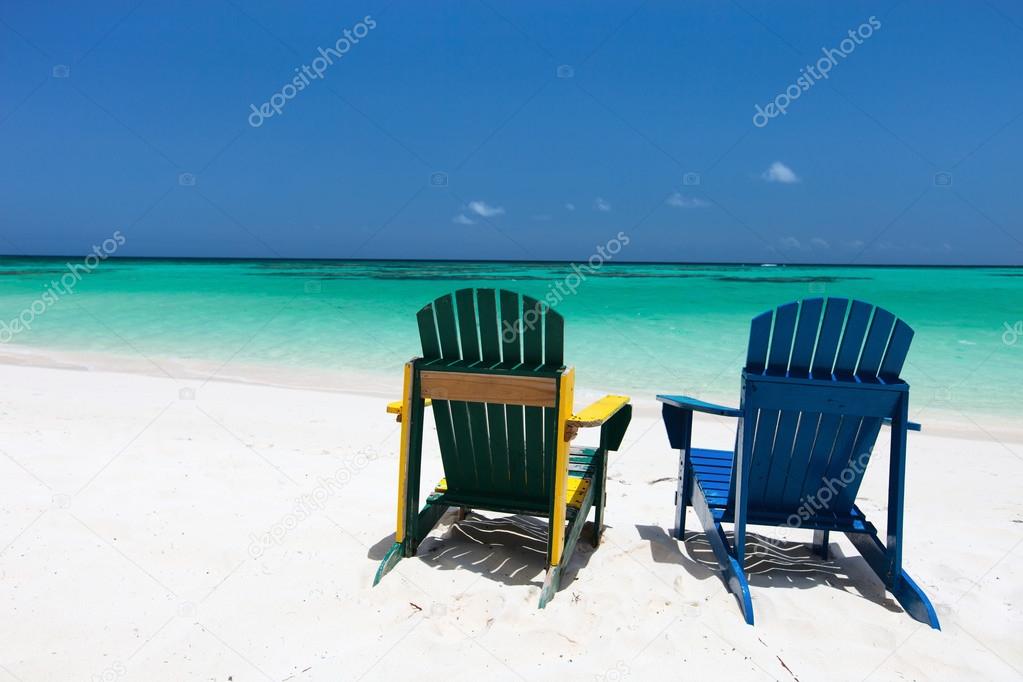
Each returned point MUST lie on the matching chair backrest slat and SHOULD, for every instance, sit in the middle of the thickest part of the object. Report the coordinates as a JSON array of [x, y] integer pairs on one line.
[[468, 325], [781, 338], [806, 336], [852, 338], [875, 343], [490, 328], [759, 341], [830, 335], [898, 348]]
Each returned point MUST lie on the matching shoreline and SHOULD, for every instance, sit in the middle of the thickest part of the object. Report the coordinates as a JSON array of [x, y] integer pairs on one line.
[[935, 421]]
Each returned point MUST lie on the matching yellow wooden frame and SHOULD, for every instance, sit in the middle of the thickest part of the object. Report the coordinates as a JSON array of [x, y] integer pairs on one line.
[[406, 408], [557, 531]]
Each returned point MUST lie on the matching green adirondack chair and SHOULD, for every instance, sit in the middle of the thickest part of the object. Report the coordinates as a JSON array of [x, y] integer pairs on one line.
[[493, 372]]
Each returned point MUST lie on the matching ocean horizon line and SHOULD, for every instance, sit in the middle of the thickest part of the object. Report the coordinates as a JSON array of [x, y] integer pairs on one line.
[[606, 263]]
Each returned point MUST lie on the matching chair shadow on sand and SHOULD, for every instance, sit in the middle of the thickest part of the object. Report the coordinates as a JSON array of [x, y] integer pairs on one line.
[[772, 562], [508, 549]]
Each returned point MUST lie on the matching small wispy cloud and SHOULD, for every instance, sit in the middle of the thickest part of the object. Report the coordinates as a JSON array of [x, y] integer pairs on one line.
[[601, 205], [462, 219], [790, 243], [678, 201], [482, 208], [779, 172], [570, 206], [819, 243]]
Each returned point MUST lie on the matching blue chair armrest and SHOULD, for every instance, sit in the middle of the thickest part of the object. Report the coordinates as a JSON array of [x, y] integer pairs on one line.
[[686, 403], [911, 426]]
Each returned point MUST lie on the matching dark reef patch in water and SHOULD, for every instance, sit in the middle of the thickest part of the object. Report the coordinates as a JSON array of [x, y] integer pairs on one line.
[[827, 279]]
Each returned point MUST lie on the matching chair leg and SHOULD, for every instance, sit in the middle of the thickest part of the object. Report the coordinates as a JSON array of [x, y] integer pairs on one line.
[[732, 571], [902, 587], [599, 499], [820, 543]]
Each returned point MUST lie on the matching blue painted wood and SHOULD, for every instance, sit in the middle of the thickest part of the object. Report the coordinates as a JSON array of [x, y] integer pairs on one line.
[[806, 425], [852, 338], [695, 405], [830, 335], [898, 348], [806, 335], [781, 338], [875, 344], [759, 341]]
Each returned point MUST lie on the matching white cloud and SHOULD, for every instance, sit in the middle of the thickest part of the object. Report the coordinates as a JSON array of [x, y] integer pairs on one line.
[[570, 206], [484, 209], [789, 243], [820, 243], [462, 219], [779, 172], [679, 201], [601, 205]]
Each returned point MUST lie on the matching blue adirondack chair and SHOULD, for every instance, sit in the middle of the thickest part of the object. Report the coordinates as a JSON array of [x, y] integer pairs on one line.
[[815, 393]]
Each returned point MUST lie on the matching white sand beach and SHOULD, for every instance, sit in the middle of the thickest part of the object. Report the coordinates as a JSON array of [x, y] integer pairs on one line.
[[159, 528]]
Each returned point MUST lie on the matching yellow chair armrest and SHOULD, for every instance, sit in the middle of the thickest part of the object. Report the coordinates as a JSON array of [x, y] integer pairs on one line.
[[395, 408], [598, 412]]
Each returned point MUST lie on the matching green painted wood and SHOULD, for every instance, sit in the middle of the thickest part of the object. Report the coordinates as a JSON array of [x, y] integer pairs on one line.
[[536, 474], [554, 344], [532, 333], [468, 327], [515, 419], [511, 339], [447, 328], [490, 332], [428, 332]]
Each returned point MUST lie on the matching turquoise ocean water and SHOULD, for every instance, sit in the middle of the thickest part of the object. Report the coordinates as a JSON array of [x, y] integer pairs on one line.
[[636, 328]]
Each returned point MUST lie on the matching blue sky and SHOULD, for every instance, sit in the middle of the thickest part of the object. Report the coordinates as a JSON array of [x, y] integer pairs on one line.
[[515, 130]]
